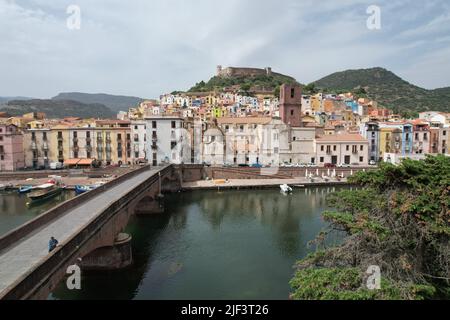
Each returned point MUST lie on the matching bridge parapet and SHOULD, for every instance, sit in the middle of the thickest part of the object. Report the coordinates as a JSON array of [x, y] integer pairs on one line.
[[40, 279]]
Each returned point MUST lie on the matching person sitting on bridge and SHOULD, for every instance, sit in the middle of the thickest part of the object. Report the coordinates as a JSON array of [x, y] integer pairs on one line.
[[52, 244]]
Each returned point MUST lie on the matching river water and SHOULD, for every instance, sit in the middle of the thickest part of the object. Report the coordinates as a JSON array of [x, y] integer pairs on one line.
[[214, 245], [15, 209]]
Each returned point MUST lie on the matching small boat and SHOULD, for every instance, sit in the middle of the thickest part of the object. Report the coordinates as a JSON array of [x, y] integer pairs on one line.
[[285, 188], [25, 189], [82, 189], [2, 187], [45, 191]]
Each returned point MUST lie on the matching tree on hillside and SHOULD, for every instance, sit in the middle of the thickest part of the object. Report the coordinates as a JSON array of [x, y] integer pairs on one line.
[[310, 89], [398, 220]]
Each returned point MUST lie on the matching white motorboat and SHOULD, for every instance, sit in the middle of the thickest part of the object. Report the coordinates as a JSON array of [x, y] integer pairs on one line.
[[285, 188]]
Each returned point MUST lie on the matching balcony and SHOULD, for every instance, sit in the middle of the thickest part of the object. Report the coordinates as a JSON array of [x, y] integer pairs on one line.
[[34, 146], [60, 147], [154, 146], [89, 148], [75, 139], [60, 138], [45, 146], [76, 148], [88, 140]]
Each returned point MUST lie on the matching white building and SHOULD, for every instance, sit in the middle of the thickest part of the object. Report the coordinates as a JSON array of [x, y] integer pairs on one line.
[[139, 140], [167, 140], [342, 149]]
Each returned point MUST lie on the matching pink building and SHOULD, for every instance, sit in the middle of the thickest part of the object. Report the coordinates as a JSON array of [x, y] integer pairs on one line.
[[11, 148]]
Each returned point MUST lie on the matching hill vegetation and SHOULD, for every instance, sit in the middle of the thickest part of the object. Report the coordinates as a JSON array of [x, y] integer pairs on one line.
[[398, 220], [387, 89], [57, 109], [113, 102], [246, 84]]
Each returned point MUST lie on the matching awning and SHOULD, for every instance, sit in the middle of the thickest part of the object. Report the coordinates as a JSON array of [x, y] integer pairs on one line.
[[71, 162], [86, 162]]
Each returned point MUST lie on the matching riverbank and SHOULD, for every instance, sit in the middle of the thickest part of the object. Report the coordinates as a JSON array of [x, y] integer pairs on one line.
[[222, 184]]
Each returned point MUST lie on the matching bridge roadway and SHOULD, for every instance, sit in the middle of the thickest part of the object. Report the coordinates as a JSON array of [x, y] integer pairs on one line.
[[17, 260]]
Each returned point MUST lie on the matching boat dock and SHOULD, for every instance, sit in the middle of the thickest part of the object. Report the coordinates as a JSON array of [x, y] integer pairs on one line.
[[238, 184]]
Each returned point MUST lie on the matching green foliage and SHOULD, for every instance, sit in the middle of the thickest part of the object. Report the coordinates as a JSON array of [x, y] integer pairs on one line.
[[388, 90], [246, 83], [399, 219], [349, 284], [58, 108]]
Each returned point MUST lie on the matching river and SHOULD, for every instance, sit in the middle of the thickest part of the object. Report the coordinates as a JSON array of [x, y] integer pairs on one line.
[[16, 210], [214, 245]]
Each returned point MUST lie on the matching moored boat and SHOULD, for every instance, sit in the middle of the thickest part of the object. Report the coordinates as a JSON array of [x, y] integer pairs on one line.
[[285, 188], [82, 189], [25, 189], [45, 191]]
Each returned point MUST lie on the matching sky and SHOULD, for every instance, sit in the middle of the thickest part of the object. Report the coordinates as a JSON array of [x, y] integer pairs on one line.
[[146, 48]]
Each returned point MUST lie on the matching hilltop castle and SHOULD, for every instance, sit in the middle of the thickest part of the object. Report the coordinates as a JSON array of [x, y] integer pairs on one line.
[[249, 72]]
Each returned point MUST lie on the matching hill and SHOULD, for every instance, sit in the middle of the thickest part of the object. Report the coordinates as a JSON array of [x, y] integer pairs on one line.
[[245, 83], [4, 100], [58, 109], [388, 89], [113, 102]]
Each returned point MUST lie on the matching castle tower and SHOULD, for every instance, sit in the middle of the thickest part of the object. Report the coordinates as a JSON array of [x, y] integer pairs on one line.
[[291, 105], [219, 70]]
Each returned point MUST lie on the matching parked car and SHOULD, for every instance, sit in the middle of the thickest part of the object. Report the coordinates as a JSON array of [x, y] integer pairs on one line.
[[344, 165], [372, 163], [227, 165], [330, 165], [243, 165], [256, 165]]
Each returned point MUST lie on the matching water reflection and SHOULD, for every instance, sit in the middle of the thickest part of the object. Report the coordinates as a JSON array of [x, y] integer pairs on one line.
[[15, 210], [214, 245]]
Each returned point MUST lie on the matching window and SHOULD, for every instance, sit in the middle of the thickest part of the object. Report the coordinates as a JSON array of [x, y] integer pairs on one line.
[[75, 135], [88, 155], [135, 127], [321, 148], [347, 148], [44, 136], [174, 124], [75, 154], [292, 92], [321, 160], [154, 124], [334, 148], [444, 133], [292, 112], [361, 148], [59, 134], [361, 159], [417, 136]]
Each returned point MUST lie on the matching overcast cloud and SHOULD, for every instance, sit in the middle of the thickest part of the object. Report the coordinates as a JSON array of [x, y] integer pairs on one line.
[[149, 47]]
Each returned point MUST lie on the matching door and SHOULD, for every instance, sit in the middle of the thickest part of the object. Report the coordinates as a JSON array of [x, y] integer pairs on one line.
[[347, 160], [334, 159]]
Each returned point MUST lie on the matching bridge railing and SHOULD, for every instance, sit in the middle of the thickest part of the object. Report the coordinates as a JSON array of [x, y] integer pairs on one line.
[[24, 230], [38, 276]]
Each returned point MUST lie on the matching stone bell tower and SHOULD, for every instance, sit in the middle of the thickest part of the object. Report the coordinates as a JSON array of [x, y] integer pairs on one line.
[[291, 105]]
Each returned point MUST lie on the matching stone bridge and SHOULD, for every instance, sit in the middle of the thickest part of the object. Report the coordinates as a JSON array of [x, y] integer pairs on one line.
[[89, 230]]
